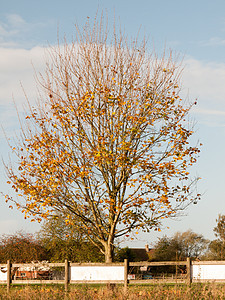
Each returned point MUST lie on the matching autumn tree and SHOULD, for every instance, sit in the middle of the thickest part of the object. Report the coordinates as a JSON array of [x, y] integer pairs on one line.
[[21, 248], [107, 143]]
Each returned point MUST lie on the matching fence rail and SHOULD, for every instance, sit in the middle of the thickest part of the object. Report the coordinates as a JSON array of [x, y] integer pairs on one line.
[[158, 263]]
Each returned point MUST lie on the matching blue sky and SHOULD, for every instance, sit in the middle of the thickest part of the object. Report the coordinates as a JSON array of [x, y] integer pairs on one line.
[[194, 29]]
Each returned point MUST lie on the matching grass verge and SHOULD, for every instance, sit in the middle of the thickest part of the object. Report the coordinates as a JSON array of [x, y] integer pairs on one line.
[[157, 292]]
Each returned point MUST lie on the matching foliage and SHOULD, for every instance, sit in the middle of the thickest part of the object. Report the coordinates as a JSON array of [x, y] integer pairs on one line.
[[21, 248], [62, 242], [124, 253], [179, 246], [216, 249], [108, 142], [220, 227]]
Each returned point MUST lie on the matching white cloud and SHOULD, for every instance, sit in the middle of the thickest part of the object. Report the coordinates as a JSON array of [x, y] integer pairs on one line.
[[205, 81], [16, 67], [3, 31], [201, 80]]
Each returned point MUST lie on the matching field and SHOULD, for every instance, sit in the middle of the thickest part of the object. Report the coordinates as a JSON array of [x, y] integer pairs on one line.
[[164, 292]]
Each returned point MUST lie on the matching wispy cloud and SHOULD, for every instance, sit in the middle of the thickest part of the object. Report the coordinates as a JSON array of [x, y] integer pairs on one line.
[[12, 26], [214, 41], [206, 81], [14, 30], [16, 21]]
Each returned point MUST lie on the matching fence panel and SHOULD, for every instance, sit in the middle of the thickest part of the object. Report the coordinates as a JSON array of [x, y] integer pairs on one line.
[[96, 273], [3, 273], [208, 271]]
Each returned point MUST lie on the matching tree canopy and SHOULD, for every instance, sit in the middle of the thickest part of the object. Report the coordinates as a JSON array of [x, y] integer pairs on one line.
[[63, 241], [107, 143], [180, 246], [21, 248], [219, 229], [125, 253], [216, 249]]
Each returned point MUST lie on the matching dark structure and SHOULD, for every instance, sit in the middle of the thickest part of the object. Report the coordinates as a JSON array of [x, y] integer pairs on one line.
[[142, 254]]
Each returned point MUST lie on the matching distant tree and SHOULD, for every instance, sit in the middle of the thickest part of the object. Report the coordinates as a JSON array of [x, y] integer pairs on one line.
[[165, 249], [216, 249], [179, 246], [108, 143], [62, 241], [124, 253], [193, 245], [219, 230], [21, 248]]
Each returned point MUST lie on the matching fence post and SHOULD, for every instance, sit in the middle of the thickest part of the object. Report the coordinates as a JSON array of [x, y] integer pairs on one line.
[[189, 279], [126, 267], [8, 275], [66, 275]]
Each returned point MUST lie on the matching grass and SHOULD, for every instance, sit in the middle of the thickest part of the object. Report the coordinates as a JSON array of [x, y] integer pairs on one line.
[[157, 292]]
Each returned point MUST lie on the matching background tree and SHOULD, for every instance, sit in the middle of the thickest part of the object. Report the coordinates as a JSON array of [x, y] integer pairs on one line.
[[216, 249], [62, 241], [108, 142], [220, 228], [164, 250], [124, 253], [21, 248], [180, 246]]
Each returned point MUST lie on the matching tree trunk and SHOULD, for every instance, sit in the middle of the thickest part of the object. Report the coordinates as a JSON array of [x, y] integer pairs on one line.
[[109, 253]]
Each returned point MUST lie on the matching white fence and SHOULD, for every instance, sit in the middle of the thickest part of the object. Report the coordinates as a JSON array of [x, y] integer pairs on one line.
[[3, 274], [96, 273], [115, 272], [208, 271]]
